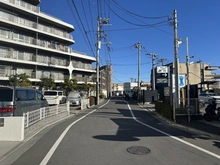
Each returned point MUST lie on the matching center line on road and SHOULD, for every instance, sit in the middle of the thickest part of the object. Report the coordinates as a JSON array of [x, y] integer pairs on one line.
[[176, 138], [56, 144]]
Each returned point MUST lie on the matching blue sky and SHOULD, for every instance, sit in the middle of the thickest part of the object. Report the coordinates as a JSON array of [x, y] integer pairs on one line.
[[197, 19]]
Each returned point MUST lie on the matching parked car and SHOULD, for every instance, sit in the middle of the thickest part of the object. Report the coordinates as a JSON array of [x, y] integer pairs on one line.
[[55, 97], [26, 99], [207, 97], [74, 98]]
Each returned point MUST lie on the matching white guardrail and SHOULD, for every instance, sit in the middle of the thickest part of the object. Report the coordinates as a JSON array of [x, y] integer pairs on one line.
[[38, 119]]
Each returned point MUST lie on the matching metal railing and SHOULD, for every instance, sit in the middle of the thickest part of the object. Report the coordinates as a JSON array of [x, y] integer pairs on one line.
[[180, 107], [24, 5], [36, 120]]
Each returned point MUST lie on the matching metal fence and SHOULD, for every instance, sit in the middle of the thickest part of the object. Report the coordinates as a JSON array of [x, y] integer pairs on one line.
[[181, 108], [38, 119]]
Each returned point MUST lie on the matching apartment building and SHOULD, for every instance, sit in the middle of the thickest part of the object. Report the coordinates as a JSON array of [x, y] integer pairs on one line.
[[117, 89], [106, 79], [38, 44]]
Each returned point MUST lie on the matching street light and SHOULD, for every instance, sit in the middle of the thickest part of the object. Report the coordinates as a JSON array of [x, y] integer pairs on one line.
[[14, 71]]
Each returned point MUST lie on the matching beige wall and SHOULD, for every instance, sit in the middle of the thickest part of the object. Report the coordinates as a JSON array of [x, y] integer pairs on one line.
[[194, 72]]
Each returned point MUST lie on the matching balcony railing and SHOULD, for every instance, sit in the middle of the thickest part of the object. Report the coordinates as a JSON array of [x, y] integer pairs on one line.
[[30, 40], [34, 25], [24, 5]]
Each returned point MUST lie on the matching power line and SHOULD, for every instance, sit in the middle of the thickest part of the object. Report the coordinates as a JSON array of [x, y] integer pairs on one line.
[[131, 64], [166, 16], [131, 22], [86, 39]]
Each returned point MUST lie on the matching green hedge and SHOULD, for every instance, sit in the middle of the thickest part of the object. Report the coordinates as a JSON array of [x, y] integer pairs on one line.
[[164, 109]]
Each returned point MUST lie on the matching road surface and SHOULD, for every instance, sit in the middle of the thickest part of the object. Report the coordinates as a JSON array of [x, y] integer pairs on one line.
[[117, 133]]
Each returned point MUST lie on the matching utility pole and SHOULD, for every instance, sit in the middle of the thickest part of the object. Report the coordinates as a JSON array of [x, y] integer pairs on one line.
[[176, 59], [98, 47], [138, 46], [187, 72], [162, 61], [201, 74], [100, 23], [153, 56]]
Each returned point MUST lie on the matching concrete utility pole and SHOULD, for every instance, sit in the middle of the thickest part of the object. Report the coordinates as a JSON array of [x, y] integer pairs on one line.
[[138, 46], [100, 23], [187, 72], [153, 56], [187, 77], [162, 60], [98, 47], [176, 59]]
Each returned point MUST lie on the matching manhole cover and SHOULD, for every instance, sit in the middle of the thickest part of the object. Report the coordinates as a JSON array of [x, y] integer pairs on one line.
[[138, 150]]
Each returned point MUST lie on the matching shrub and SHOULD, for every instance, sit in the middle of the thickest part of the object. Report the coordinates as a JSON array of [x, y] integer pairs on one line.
[[101, 96], [164, 109]]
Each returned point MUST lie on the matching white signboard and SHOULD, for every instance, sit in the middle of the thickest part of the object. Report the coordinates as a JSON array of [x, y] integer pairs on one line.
[[182, 81], [162, 69], [162, 80]]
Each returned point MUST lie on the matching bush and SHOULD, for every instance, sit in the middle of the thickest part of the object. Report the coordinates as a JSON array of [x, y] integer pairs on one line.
[[101, 96], [164, 109]]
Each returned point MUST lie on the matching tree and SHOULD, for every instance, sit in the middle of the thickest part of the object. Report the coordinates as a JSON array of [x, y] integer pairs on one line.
[[69, 84], [21, 80], [87, 87], [47, 83]]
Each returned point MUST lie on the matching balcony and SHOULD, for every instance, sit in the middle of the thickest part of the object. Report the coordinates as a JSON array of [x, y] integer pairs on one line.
[[10, 36], [30, 24], [23, 5]]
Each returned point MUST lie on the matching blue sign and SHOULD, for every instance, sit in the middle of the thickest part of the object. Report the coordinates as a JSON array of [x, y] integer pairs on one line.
[[182, 81]]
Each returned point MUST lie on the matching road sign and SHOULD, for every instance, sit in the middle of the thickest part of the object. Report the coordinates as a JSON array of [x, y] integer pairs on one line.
[[162, 80], [166, 91], [164, 74], [162, 69], [182, 80]]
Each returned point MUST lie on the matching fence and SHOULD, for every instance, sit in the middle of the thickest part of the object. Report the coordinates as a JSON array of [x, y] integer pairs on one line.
[[181, 108], [38, 119]]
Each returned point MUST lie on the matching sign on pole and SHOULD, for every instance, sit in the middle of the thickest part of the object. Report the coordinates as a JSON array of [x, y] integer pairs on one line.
[[162, 69]]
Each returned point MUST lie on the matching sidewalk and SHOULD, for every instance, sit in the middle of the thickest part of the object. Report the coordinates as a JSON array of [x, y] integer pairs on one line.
[[200, 125], [8, 147]]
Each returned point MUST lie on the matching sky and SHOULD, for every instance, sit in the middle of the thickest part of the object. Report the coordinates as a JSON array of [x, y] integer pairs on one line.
[[145, 21]]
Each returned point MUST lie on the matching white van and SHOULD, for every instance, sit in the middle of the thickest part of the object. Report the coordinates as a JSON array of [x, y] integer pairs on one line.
[[55, 97]]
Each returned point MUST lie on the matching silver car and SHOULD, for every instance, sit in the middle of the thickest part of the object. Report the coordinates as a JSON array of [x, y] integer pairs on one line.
[[74, 98], [207, 97]]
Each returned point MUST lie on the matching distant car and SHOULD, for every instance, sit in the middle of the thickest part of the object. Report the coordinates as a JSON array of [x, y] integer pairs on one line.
[[74, 98], [55, 97], [207, 97]]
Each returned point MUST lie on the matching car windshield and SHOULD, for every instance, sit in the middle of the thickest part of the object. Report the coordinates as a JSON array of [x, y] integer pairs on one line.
[[74, 95], [50, 93]]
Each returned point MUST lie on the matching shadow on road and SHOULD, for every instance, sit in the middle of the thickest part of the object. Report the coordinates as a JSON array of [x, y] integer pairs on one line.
[[131, 130]]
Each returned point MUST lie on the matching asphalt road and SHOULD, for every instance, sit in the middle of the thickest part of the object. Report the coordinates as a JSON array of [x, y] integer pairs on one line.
[[118, 133]]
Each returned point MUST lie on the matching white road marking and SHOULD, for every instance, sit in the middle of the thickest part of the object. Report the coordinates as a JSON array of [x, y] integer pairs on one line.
[[56, 144], [176, 138]]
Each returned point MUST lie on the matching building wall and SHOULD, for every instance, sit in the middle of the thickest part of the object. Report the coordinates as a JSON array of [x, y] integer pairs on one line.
[[39, 45], [128, 88], [194, 72], [106, 78]]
